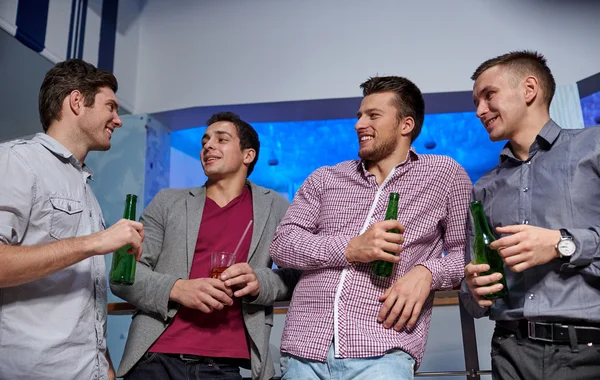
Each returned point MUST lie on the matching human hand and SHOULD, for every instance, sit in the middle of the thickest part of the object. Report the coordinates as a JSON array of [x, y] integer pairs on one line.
[[241, 277], [124, 232], [526, 246], [481, 285], [204, 294], [375, 241], [403, 301]]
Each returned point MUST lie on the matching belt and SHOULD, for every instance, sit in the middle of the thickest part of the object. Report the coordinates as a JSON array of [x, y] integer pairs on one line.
[[208, 360], [552, 332]]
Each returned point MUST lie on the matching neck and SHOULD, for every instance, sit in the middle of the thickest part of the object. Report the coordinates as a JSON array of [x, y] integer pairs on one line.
[[382, 168], [527, 131], [67, 138], [223, 191]]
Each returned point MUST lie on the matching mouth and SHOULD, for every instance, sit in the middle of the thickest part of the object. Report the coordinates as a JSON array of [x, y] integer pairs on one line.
[[488, 123], [209, 160], [364, 138], [110, 131]]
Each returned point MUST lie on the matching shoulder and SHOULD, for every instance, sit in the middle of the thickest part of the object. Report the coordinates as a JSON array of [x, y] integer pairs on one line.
[[441, 164], [169, 196]]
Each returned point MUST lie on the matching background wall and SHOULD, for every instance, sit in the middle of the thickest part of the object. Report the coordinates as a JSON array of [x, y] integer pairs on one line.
[[272, 51]]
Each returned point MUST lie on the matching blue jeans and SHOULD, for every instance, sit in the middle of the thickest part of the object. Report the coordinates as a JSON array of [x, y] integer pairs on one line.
[[172, 367], [396, 364]]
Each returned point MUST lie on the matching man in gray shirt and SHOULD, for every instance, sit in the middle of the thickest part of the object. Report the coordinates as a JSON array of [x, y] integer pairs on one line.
[[52, 236], [542, 199]]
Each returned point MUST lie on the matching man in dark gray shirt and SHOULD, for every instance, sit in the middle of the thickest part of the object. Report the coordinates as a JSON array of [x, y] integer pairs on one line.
[[543, 201]]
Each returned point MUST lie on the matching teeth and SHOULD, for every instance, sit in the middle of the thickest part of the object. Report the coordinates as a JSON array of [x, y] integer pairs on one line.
[[365, 138], [490, 121], [109, 131]]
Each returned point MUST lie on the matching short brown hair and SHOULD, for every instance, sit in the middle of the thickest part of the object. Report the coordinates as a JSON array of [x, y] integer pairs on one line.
[[408, 100], [65, 77], [524, 63]]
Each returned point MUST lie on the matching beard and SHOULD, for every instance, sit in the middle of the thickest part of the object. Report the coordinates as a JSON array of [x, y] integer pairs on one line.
[[379, 151]]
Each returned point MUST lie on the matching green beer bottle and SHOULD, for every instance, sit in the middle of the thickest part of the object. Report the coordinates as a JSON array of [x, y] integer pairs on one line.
[[385, 268], [122, 270], [482, 253]]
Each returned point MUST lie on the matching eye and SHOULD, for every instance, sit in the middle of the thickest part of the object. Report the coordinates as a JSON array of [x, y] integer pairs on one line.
[[488, 95], [222, 139]]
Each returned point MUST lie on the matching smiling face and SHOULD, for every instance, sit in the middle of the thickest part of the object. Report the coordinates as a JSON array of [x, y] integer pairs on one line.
[[98, 122], [500, 101], [378, 127], [221, 155]]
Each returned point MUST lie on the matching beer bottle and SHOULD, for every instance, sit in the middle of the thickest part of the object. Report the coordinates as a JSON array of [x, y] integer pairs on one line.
[[385, 268], [122, 270], [482, 253]]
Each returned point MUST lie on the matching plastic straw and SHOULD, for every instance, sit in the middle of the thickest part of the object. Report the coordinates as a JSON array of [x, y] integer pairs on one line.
[[242, 239]]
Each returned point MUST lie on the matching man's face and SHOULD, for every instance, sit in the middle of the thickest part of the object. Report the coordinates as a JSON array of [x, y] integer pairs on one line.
[[98, 122], [377, 127], [221, 155], [500, 102]]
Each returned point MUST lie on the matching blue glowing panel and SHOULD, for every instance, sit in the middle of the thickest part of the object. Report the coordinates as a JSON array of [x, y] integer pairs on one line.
[[590, 106], [290, 151]]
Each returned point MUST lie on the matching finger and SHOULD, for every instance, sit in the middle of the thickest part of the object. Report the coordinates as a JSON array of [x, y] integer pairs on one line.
[[512, 229], [250, 289], [139, 227], [221, 298], [472, 269], [485, 303], [506, 241], [387, 305], [486, 280], [395, 312], [212, 303], [514, 250], [219, 286], [518, 268], [391, 247], [406, 314], [392, 237], [389, 225], [385, 295], [235, 270], [241, 280], [384, 256], [485, 290], [516, 259], [415, 315]]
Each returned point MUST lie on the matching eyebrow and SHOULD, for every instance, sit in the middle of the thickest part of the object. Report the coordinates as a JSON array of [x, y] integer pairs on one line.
[[359, 113], [206, 136]]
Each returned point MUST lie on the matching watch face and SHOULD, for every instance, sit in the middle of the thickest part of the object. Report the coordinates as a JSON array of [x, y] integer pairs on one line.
[[566, 247]]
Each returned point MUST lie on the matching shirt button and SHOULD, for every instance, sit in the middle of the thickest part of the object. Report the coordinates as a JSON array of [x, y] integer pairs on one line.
[[528, 162], [526, 189], [531, 296], [525, 221]]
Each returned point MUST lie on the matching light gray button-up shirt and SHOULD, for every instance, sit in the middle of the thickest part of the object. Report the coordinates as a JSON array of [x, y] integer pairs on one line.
[[52, 328], [558, 186]]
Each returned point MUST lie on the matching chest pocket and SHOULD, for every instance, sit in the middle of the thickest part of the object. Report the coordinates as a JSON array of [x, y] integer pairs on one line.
[[66, 214]]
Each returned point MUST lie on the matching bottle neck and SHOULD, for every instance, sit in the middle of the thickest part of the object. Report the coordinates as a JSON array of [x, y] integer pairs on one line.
[[481, 225], [129, 212]]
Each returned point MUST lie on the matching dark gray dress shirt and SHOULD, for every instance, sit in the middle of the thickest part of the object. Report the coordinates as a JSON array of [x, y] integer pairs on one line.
[[558, 186]]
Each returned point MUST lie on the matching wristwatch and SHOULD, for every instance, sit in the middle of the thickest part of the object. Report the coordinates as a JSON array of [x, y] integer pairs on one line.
[[566, 246]]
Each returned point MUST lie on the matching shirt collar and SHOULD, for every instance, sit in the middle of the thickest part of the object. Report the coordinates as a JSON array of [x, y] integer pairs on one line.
[[544, 140], [59, 150]]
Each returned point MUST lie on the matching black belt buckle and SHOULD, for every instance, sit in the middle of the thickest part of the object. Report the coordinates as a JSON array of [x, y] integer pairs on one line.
[[532, 333]]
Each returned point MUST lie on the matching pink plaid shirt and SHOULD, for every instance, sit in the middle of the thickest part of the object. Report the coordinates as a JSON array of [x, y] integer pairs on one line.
[[339, 301]]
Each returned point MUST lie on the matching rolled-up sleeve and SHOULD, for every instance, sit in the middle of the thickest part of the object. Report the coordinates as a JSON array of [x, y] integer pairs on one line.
[[17, 192]]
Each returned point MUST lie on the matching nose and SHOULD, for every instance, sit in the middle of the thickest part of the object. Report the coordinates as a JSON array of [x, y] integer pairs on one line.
[[360, 124], [482, 109], [117, 122]]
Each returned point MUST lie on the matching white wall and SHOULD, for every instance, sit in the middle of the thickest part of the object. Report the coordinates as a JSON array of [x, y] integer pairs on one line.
[[202, 53]]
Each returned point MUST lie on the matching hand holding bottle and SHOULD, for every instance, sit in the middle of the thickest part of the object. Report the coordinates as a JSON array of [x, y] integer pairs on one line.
[[375, 242]]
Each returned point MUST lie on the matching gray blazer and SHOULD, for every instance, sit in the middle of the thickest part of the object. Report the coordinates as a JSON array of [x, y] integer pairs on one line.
[[171, 222]]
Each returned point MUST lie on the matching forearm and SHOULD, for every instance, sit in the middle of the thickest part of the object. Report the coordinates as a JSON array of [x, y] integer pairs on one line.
[[447, 271], [294, 248], [587, 242], [275, 285], [23, 264], [470, 303], [151, 292]]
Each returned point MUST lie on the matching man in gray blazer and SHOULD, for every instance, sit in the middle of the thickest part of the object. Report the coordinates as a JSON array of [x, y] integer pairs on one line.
[[188, 324]]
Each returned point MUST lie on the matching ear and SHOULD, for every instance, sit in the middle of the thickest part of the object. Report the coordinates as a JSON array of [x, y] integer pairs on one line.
[[75, 99], [531, 89], [249, 155], [407, 125]]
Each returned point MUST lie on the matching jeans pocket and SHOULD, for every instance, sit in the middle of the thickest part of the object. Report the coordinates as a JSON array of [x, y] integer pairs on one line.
[[147, 357]]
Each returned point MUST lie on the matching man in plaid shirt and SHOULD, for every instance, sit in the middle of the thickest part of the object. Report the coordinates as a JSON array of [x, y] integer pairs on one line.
[[344, 322]]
